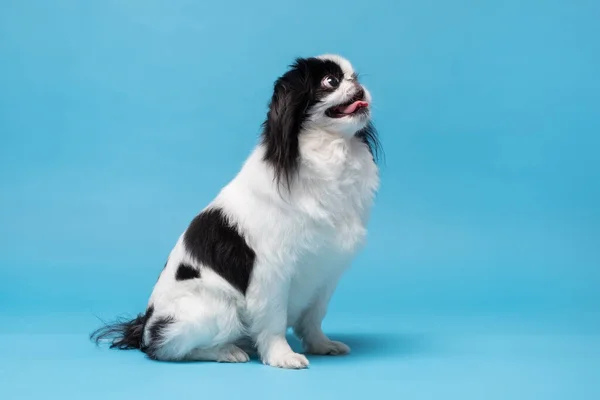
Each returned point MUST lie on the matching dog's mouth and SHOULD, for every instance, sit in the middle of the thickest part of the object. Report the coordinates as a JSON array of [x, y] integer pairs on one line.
[[355, 106]]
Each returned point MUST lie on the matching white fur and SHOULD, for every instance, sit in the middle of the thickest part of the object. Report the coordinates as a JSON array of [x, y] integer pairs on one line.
[[304, 239]]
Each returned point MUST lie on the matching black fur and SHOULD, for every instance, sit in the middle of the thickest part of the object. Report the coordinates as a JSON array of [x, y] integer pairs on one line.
[[125, 334], [214, 242], [369, 136], [185, 272], [129, 334], [156, 335], [294, 93]]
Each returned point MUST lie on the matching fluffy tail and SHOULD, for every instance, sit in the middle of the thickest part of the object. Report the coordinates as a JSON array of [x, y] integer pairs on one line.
[[123, 334]]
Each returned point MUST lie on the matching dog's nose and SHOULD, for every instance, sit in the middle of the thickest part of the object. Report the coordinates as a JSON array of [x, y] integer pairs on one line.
[[360, 94]]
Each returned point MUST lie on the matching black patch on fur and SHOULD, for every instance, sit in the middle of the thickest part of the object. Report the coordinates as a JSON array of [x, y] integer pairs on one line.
[[213, 241], [157, 328], [125, 334], [149, 312], [294, 93], [156, 335], [185, 272]]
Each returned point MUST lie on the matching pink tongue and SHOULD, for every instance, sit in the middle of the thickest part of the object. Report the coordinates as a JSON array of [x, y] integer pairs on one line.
[[354, 106]]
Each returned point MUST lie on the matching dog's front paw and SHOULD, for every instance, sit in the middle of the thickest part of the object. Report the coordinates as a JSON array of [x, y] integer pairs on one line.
[[288, 360], [329, 347]]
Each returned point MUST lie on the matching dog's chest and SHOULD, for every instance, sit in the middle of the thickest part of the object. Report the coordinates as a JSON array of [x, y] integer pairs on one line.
[[336, 194], [336, 201]]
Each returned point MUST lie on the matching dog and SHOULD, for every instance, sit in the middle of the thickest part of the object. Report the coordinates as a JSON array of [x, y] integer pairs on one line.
[[267, 253]]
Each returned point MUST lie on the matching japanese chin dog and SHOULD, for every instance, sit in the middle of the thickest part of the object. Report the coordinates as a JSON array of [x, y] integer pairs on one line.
[[267, 253]]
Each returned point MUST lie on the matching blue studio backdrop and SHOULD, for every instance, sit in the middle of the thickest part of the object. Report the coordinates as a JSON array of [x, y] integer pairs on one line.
[[120, 120]]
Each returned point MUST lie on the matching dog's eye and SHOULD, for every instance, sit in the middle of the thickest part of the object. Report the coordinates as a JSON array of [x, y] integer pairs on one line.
[[330, 82]]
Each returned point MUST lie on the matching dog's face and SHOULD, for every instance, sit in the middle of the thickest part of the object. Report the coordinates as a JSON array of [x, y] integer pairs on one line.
[[321, 93], [339, 103]]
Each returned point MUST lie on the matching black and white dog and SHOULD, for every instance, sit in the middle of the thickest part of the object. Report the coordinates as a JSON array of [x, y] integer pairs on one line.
[[268, 251]]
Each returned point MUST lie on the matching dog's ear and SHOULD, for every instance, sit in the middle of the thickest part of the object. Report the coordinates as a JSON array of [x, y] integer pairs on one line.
[[287, 110], [368, 135]]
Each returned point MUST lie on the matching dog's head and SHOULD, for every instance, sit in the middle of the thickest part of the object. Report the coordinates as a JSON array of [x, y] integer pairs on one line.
[[320, 93]]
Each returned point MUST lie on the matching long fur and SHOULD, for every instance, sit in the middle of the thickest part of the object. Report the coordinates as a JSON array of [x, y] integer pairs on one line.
[[124, 334], [257, 259]]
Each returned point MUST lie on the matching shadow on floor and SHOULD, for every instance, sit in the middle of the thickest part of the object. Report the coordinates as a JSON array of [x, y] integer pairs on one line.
[[379, 345]]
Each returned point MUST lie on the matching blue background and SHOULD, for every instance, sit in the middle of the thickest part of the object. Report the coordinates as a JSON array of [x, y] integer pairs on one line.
[[120, 120]]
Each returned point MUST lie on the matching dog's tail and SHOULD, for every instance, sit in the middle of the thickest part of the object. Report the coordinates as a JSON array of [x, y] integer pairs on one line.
[[123, 334]]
